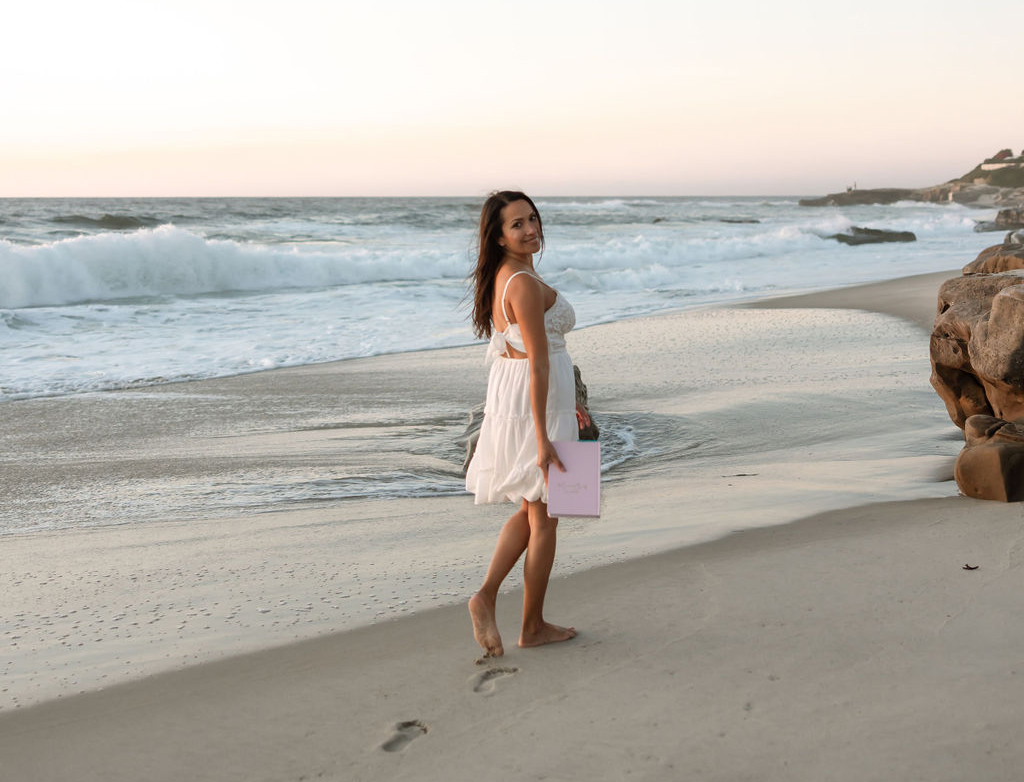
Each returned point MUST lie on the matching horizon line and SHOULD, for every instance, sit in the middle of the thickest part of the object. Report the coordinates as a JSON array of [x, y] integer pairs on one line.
[[473, 195]]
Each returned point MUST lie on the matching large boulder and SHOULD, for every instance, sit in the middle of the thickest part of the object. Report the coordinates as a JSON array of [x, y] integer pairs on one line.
[[977, 355], [991, 465], [961, 330], [1000, 257], [1010, 218]]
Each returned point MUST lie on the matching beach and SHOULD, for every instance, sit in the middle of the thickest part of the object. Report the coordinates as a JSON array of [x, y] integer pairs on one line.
[[777, 592]]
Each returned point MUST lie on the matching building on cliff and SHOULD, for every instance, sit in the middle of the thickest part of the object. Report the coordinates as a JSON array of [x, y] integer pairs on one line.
[[1003, 159]]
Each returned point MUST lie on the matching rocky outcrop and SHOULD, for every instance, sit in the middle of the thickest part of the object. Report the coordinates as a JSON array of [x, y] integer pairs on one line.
[[967, 193], [854, 197], [1010, 219], [985, 185], [977, 355], [873, 236], [965, 343], [1007, 219]]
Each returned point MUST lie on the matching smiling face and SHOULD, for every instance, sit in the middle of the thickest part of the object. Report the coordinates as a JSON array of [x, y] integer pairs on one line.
[[520, 230]]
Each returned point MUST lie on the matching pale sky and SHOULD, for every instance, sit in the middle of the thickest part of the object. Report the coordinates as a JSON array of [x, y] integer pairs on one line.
[[459, 97]]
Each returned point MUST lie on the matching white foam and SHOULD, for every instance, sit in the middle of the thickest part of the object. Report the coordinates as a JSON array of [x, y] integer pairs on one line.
[[171, 261]]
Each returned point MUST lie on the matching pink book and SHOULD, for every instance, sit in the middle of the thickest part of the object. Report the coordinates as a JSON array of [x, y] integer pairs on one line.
[[577, 491]]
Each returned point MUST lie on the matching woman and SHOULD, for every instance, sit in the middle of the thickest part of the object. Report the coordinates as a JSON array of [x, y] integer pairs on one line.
[[531, 402]]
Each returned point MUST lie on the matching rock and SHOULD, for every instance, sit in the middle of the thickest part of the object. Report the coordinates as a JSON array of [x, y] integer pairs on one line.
[[586, 432], [854, 197], [1004, 257], [981, 186], [996, 352], [1010, 218], [991, 465], [965, 305], [979, 194], [873, 236], [977, 356]]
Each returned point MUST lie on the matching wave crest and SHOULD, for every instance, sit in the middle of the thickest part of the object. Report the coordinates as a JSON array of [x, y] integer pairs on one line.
[[170, 261]]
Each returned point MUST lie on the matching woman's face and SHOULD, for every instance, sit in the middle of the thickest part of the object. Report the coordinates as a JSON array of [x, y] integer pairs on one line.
[[520, 229]]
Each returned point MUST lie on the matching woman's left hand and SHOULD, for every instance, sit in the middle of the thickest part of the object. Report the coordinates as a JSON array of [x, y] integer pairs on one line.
[[546, 457]]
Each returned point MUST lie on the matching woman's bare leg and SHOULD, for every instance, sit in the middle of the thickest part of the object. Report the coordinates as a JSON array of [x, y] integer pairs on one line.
[[540, 556], [511, 544]]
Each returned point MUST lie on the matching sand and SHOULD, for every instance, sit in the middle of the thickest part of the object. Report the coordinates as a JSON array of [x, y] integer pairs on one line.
[[913, 298], [848, 644]]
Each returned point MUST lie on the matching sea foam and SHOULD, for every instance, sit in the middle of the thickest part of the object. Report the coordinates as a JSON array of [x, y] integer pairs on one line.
[[171, 261]]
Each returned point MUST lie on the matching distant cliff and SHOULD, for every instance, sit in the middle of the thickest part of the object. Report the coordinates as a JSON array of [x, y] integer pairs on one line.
[[1000, 170], [996, 181]]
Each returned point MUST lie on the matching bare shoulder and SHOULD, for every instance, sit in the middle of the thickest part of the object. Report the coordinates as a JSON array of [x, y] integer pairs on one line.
[[517, 284], [524, 293], [521, 281]]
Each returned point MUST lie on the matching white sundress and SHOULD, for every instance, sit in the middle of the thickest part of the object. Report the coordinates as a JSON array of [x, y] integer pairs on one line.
[[504, 464]]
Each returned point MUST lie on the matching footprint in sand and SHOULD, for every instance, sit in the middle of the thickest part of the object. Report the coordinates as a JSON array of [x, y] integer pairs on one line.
[[485, 682], [404, 733]]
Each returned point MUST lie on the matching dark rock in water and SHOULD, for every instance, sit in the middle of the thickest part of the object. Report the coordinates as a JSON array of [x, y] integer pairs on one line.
[[658, 220], [1010, 219], [1007, 219], [738, 220], [853, 197], [471, 433], [873, 236]]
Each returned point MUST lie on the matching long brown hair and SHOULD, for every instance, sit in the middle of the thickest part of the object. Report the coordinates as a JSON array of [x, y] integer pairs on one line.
[[490, 255]]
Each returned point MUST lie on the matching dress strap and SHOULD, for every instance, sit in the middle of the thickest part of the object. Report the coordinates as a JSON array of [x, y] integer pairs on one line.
[[503, 310]]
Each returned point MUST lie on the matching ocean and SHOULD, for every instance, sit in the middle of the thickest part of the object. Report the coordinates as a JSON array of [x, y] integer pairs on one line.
[[102, 295]]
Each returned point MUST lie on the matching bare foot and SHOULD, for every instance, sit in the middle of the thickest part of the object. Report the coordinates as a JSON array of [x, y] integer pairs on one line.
[[485, 628], [547, 634]]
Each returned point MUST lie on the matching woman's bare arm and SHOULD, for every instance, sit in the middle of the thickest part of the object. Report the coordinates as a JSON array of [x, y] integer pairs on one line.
[[526, 295]]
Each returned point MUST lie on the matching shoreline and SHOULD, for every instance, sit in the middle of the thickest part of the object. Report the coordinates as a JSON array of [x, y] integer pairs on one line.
[[901, 297], [829, 298]]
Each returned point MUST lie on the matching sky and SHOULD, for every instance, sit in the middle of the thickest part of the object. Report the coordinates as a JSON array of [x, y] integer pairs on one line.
[[460, 97]]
